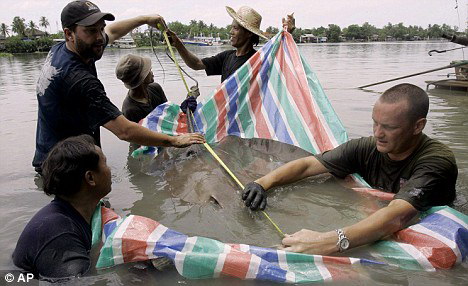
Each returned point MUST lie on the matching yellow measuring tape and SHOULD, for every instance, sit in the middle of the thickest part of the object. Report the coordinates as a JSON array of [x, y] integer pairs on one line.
[[208, 147]]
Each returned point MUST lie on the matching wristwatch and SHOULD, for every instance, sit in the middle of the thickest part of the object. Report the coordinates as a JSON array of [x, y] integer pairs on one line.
[[343, 241]]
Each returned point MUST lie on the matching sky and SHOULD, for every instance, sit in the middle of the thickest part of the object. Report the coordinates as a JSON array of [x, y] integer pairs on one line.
[[308, 13]]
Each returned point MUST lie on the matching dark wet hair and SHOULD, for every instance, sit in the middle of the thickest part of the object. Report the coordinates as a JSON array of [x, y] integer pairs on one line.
[[417, 98], [66, 164]]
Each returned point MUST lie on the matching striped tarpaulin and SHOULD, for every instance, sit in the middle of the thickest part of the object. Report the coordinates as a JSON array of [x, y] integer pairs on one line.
[[439, 241], [274, 95]]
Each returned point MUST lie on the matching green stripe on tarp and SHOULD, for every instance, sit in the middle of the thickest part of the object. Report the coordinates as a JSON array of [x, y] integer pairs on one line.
[[292, 119], [243, 102], [396, 255], [96, 226], [211, 118], [201, 262], [332, 119], [169, 124], [304, 267]]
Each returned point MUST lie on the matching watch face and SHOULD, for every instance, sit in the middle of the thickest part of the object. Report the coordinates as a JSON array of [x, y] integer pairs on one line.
[[344, 244]]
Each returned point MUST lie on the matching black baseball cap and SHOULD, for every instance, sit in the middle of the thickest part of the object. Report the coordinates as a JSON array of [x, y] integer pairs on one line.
[[84, 13]]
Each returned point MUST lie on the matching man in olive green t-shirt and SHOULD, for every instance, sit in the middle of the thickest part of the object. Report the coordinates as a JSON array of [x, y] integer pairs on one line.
[[399, 158]]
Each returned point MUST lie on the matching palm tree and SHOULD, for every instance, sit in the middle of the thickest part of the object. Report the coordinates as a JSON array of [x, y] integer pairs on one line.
[[43, 22], [18, 26], [32, 26], [4, 30]]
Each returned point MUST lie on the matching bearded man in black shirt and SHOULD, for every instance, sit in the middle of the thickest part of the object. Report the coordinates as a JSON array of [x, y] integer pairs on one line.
[[399, 158]]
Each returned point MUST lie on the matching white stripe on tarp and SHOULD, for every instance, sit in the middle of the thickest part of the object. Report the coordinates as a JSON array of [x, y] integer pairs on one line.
[[180, 255], [417, 255], [451, 244], [117, 240], [244, 248], [326, 275], [221, 259], [253, 267], [290, 277], [354, 260], [153, 239], [453, 217], [282, 260]]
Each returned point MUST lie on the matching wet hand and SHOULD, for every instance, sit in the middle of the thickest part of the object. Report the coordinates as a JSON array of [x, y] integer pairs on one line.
[[188, 139], [190, 103], [311, 242], [254, 196], [172, 37], [289, 23]]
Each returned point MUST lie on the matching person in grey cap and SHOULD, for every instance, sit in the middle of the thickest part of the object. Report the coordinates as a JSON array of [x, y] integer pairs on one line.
[[143, 93], [245, 34], [71, 98]]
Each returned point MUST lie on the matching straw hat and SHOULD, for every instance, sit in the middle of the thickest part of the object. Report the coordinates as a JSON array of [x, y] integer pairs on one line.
[[247, 18], [132, 70]]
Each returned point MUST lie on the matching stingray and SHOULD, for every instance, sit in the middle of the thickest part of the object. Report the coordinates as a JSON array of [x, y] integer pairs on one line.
[[194, 176]]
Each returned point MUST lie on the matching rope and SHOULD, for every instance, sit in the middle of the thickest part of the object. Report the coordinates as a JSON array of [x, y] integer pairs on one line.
[[208, 147]]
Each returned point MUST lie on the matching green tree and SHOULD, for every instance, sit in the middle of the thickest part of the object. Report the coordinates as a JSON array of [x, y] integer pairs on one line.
[[4, 30], [367, 31], [43, 22], [272, 30], [333, 33], [32, 26], [352, 32], [18, 26]]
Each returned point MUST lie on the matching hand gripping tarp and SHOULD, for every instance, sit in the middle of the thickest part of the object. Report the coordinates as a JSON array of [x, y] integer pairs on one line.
[[439, 241]]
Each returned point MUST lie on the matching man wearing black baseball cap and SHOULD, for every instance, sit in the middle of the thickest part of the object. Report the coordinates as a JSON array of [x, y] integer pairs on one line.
[[71, 98]]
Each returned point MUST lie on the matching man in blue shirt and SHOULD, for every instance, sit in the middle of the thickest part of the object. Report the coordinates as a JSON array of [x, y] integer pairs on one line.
[[57, 240], [71, 98]]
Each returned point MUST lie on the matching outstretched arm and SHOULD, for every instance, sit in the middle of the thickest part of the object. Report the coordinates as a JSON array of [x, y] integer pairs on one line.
[[191, 60], [132, 132], [254, 193], [119, 29], [380, 224]]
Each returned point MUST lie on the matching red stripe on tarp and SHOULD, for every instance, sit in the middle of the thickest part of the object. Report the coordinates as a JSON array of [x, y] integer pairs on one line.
[[134, 238], [221, 105], [375, 193], [107, 215], [236, 264], [337, 271], [235, 246], [301, 96], [440, 255], [182, 126], [255, 100]]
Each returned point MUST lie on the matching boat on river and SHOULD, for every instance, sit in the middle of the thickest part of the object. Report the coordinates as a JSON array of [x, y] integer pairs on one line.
[[455, 81]]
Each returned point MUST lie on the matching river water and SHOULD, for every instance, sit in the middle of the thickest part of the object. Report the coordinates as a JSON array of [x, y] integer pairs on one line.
[[318, 203]]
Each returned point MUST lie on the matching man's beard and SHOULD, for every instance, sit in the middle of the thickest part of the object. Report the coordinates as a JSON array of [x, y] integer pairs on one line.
[[87, 51]]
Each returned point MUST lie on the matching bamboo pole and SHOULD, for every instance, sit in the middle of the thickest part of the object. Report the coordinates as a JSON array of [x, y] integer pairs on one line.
[[415, 74]]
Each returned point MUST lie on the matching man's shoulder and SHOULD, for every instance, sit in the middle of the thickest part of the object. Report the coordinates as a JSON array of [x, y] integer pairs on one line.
[[432, 149]]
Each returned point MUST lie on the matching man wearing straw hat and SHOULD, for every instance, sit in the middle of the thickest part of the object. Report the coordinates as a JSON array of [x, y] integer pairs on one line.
[[71, 98], [245, 34]]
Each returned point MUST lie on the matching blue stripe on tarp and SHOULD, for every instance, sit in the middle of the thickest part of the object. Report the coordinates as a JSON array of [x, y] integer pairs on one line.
[[449, 229], [170, 243], [272, 111], [233, 95], [267, 271], [109, 228], [265, 253], [199, 126], [153, 117]]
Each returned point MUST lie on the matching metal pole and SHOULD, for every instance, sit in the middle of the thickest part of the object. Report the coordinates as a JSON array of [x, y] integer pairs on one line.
[[415, 74]]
